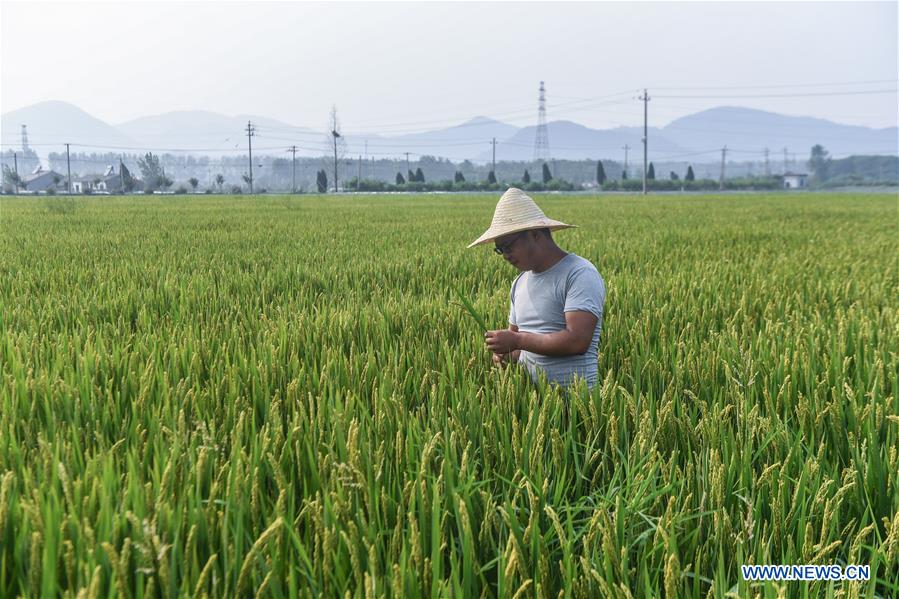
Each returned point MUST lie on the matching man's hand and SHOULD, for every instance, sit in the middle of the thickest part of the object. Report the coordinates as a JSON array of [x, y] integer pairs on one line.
[[502, 341], [503, 360]]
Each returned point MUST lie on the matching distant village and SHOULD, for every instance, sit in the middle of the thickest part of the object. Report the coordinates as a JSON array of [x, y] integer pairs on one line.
[[117, 181], [25, 173]]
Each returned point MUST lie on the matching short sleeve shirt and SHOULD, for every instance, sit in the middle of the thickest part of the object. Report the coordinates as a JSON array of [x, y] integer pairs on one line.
[[538, 305]]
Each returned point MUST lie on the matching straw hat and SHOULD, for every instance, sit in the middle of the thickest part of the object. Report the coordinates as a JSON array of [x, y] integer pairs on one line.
[[515, 212]]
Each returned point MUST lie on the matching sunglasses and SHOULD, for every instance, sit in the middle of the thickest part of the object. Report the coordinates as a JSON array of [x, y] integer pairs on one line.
[[507, 247]]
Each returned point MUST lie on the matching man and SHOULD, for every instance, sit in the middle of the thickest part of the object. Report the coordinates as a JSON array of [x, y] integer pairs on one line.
[[555, 317]]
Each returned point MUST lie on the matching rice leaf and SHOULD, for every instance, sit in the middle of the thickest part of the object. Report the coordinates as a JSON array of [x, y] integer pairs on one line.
[[470, 308]]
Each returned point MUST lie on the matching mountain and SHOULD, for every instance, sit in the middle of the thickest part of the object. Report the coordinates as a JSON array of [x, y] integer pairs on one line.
[[53, 123], [459, 142], [205, 132], [697, 137], [572, 141], [748, 132]]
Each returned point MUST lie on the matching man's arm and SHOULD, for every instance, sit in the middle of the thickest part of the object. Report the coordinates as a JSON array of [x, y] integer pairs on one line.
[[574, 339]]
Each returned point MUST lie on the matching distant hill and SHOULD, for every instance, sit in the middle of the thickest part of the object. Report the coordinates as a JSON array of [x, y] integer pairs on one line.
[[465, 140], [51, 124], [749, 130], [213, 133], [696, 138], [572, 141]]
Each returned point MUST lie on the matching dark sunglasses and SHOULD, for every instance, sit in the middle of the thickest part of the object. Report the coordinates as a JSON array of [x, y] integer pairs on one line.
[[507, 247]]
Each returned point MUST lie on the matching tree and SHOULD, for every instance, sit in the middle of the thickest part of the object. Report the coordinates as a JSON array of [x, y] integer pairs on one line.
[[220, 180], [410, 176], [600, 173], [527, 176], [673, 176], [321, 181], [652, 172], [193, 183], [491, 177], [419, 175], [399, 179], [11, 179], [547, 176], [127, 178], [459, 177], [819, 162], [690, 176], [624, 175], [151, 171]]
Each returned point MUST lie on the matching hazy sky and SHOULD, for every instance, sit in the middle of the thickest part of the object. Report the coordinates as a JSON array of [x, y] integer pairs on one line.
[[399, 67]]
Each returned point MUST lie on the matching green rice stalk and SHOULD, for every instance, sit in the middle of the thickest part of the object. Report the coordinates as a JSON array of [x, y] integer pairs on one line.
[[466, 303]]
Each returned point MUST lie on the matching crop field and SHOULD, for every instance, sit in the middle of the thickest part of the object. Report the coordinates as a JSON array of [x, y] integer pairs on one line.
[[283, 396]]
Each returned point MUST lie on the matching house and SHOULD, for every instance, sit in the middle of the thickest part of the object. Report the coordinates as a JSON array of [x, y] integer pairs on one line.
[[795, 180], [108, 182], [41, 180], [83, 184]]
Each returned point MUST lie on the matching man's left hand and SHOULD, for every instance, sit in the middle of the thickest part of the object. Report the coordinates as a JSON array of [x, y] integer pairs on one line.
[[502, 341]]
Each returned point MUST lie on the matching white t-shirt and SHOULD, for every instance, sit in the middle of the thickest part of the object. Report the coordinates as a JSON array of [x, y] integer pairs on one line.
[[538, 305]]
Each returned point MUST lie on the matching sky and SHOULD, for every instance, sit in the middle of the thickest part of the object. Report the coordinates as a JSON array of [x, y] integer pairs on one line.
[[403, 67]]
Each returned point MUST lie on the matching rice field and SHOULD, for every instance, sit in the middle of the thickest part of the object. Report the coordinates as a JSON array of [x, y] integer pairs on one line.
[[284, 396]]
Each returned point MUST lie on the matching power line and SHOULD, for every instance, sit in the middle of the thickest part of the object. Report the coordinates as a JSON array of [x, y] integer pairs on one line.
[[801, 95], [780, 86]]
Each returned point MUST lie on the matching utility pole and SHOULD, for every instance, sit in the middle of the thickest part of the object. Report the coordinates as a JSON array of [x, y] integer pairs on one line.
[[69, 169], [494, 156], [626, 148], [407, 163], [251, 130], [541, 143], [359, 178], [785, 161], [335, 135], [15, 159], [645, 98], [293, 150], [767, 167], [723, 155], [122, 174]]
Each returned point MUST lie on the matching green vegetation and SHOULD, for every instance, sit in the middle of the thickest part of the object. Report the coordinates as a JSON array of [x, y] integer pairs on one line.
[[227, 396]]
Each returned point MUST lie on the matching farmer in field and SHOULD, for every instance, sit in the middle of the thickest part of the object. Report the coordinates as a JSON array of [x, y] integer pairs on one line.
[[557, 300]]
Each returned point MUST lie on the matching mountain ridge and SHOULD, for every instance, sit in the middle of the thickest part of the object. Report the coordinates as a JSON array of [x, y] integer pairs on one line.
[[746, 132]]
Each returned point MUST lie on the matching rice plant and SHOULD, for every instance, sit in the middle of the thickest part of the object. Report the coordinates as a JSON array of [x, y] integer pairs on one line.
[[221, 397]]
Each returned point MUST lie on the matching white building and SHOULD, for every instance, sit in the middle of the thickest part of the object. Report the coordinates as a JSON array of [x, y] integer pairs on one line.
[[795, 180]]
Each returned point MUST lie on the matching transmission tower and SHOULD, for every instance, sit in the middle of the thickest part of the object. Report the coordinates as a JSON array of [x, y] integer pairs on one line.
[[25, 147], [541, 145]]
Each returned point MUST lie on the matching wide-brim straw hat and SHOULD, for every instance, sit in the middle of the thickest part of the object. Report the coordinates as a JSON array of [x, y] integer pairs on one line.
[[517, 211]]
